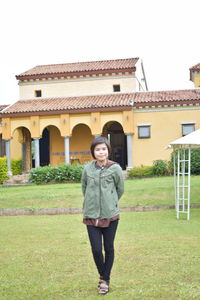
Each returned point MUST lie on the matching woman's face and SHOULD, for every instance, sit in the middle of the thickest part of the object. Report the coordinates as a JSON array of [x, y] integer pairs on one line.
[[101, 152]]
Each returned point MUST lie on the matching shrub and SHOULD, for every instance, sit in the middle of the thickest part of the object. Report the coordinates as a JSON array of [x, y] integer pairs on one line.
[[160, 167], [3, 169], [16, 166], [195, 160], [140, 171], [59, 173]]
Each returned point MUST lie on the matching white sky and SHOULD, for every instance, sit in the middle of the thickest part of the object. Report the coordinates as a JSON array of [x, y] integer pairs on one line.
[[164, 34]]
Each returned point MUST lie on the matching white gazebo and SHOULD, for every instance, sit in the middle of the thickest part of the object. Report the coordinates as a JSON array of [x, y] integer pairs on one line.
[[182, 168]]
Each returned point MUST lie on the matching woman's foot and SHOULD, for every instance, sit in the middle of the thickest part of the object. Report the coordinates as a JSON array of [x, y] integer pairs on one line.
[[103, 287], [100, 281]]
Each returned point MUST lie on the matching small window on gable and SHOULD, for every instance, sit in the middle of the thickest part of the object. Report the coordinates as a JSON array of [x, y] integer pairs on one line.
[[116, 88], [144, 131], [38, 93], [187, 128]]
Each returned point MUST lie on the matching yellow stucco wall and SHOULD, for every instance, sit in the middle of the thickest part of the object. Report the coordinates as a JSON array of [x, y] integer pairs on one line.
[[56, 147], [197, 81], [15, 146], [165, 128], [80, 142], [81, 87], [79, 146]]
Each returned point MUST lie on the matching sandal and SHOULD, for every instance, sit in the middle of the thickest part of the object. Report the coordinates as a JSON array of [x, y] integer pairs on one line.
[[104, 287], [100, 281]]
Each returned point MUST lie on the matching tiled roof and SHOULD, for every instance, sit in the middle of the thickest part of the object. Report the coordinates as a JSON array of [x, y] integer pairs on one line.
[[168, 97], [70, 103], [119, 101], [2, 107], [195, 68], [80, 67]]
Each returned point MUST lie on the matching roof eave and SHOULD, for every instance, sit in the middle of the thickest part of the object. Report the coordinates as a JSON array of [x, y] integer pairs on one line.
[[81, 73], [64, 111]]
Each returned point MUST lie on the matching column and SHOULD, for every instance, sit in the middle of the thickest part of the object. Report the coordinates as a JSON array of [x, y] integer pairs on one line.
[[129, 138], [8, 157], [97, 135], [67, 158], [24, 156], [37, 152]]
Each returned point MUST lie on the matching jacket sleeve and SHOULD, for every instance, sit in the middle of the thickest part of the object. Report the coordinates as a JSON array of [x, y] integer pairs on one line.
[[119, 181], [84, 181]]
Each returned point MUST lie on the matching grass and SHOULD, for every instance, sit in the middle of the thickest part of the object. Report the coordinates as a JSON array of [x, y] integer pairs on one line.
[[48, 257], [144, 192]]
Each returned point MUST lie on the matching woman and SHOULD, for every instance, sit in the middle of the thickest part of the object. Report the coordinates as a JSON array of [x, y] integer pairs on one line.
[[102, 185]]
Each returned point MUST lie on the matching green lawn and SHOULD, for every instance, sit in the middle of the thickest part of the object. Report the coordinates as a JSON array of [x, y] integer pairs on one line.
[[144, 192], [49, 258]]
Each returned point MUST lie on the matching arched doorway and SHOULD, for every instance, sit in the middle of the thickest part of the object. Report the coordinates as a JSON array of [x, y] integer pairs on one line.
[[44, 148], [22, 136], [51, 147], [80, 142], [115, 134]]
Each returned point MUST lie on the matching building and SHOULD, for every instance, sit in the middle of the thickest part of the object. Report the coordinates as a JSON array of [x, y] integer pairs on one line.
[[63, 107], [195, 75]]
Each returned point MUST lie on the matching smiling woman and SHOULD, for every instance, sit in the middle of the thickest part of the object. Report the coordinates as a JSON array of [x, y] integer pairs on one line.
[[103, 186]]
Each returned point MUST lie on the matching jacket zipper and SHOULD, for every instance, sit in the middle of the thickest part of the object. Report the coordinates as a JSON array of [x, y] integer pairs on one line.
[[100, 191]]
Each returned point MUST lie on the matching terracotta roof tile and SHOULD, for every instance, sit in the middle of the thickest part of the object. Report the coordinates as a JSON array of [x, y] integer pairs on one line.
[[169, 97], [3, 106], [119, 101], [195, 68], [70, 103], [117, 64]]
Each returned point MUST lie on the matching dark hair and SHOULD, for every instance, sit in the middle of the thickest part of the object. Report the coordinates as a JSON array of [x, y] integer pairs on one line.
[[97, 141]]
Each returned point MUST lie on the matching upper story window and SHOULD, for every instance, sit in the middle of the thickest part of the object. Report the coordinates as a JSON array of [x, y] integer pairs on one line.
[[144, 131], [38, 93], [116, 88], [188, 128]]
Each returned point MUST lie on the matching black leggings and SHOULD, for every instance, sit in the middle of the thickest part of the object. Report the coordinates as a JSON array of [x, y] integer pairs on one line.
[[104, 265]]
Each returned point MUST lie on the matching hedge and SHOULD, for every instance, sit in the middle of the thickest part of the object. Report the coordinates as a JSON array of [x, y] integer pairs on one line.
[[16, 166], [3, 169], [61, 173], [195, 161]]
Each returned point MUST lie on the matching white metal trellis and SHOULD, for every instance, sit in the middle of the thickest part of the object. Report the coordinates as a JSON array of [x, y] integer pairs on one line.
[[182, 171]]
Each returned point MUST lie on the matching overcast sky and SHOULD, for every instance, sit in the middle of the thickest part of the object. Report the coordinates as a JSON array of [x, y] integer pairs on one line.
[[164, 34]]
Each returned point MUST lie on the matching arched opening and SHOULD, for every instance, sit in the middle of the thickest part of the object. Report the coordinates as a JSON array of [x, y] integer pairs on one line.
[[80, 142], [115, 134], [22, 135], [51, 147], [44, 148]]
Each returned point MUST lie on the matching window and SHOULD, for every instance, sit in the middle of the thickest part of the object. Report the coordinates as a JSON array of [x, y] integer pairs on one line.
[[116, 88], [38, 93], [144, 131], [187, 128]]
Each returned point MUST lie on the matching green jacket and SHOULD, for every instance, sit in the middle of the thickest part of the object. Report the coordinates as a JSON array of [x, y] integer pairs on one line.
[[102, 188]]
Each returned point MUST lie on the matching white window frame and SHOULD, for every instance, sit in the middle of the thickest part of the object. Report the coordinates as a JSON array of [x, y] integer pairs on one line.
[[143, 136], [188, 124]]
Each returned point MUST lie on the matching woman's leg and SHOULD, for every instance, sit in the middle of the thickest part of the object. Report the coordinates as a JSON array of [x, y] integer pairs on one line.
[[108, 238], [95, 236]]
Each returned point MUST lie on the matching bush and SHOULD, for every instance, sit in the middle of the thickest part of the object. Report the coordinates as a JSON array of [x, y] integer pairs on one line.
[[140, 171], [195, 160], [16, 166], [61, 173], [161, 167], [3, 169]]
